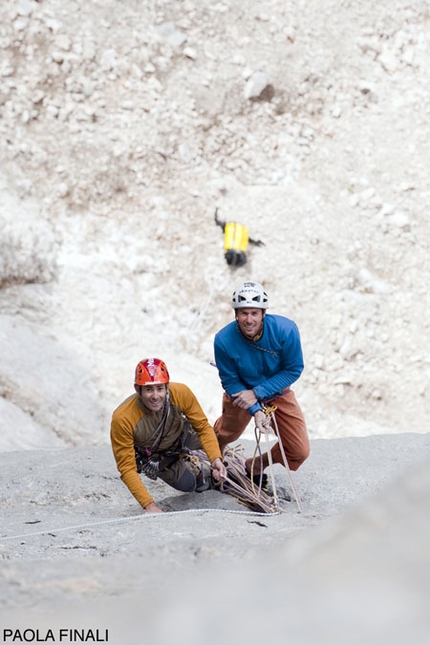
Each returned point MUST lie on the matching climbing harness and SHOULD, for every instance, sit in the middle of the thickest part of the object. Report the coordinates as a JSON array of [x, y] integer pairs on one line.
[[149, 466], [151, 461]]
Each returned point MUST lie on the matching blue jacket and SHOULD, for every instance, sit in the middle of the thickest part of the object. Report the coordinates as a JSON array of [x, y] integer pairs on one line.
[[266, 366]]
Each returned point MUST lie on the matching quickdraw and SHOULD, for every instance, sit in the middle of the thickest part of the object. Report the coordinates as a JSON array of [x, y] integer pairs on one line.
[[268, 409]]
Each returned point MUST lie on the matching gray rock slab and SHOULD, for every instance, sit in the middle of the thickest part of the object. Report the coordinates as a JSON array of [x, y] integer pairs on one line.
[[76, 548]]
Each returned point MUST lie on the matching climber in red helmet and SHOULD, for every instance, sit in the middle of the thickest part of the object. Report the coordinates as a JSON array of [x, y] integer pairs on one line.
[[156, 431]]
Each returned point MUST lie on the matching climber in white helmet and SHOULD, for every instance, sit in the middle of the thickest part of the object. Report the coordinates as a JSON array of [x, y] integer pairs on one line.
[[259, 356]]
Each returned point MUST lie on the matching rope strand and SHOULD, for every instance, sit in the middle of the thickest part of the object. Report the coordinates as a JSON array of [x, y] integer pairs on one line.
[[117, 520], [284, 457]]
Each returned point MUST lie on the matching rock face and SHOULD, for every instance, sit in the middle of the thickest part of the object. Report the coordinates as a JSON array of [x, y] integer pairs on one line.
[[123, 126], [77, 552]]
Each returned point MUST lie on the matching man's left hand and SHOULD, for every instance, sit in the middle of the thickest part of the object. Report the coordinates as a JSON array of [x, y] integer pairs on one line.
[[244, 399], [262, 421]]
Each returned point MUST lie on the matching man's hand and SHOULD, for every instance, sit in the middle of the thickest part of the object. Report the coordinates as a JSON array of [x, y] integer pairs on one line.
[[244, 399], [153, 508], [219, 471], [261, 421]]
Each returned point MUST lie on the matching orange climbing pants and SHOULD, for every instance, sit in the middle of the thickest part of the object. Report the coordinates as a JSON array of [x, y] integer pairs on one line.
[[290, 421]]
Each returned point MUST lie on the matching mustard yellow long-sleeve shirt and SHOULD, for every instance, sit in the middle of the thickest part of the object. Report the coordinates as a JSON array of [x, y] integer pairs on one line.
[[125, 420]]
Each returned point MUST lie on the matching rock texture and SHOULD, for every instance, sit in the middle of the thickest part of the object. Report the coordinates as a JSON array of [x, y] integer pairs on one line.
[[123, 126], [77, 552]]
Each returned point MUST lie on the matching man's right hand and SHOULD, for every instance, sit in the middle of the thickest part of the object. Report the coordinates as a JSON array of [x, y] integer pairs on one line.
[[244, 399], [153, 508]]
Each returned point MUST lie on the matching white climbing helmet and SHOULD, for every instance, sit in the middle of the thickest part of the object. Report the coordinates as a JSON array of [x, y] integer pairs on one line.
[[250, 294]]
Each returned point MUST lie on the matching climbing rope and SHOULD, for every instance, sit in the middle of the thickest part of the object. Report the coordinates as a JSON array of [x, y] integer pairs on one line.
[[237, 483], [272, 425], [117, 520], [270, 412]]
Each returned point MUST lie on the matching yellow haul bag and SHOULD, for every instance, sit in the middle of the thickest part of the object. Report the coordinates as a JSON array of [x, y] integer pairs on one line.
[[236, 241], [235, 237]]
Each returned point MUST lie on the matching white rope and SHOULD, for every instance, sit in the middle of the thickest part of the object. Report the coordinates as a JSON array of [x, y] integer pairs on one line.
[[272, 474], [257, 450], [284, 457], [117, 520]]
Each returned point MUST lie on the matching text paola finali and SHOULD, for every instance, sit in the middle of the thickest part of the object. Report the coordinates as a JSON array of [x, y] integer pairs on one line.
[[55, 636]]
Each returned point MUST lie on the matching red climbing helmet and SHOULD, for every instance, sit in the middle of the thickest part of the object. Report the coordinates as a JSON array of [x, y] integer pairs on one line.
[[151, 371]]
